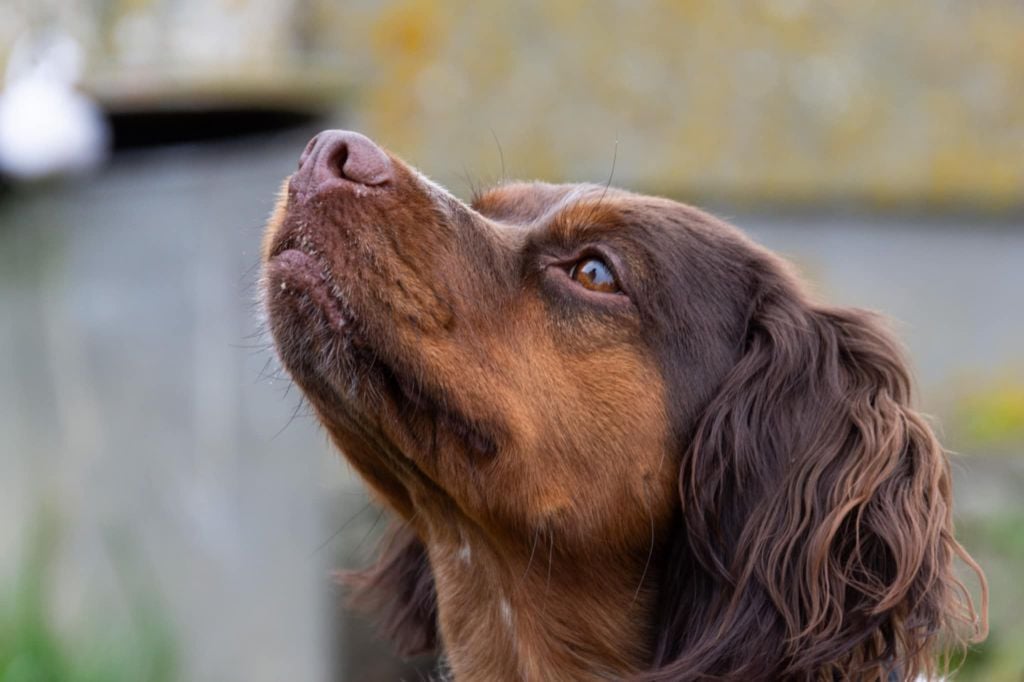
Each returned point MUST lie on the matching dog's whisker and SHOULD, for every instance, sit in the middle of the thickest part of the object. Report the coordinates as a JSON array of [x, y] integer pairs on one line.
[[501, 155], [295, 415], [650, 549], [547, 580], [340, 530], [249, 271], [596, 206], [369, 531], [529, 562], [267, 365]]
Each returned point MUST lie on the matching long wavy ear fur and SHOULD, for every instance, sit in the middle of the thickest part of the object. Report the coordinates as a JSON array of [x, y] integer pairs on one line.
[[815, 538], [398, 592]]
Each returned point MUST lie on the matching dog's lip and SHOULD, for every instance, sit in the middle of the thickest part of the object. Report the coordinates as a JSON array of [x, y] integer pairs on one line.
[[293, 271], [294, 258], [284, 243], [294, 265]]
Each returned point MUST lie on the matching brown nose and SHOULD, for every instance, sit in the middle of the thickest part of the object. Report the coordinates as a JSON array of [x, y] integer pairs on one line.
[[339, 155]]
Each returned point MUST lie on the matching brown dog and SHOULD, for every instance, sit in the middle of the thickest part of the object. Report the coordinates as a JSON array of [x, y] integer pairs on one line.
[[621, 439]]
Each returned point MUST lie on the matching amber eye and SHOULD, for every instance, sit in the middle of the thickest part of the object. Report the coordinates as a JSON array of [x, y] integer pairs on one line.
[[594, 274]]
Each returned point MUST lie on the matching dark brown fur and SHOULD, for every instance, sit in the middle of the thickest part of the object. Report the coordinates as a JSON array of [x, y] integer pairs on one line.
[[711, 477]]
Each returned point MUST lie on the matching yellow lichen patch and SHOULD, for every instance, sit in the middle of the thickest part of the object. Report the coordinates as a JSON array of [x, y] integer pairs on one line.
[[991, 414], [782, 99]]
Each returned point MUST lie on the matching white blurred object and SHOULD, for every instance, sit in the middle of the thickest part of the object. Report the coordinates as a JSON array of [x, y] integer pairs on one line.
[[47, 127]]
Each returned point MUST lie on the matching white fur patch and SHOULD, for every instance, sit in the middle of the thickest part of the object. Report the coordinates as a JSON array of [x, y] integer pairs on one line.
[[506, 612]]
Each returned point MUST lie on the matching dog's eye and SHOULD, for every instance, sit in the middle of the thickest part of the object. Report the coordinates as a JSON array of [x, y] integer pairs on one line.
[[594, 274]]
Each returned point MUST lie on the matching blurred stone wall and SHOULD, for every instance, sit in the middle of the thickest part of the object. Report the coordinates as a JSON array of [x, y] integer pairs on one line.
[[910, 102], [778, 100], [183, 36]]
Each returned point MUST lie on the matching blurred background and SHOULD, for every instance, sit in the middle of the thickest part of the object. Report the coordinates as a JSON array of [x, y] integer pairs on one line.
[[168, 511]]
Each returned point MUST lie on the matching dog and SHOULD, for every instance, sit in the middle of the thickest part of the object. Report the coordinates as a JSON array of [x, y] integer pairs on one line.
[[620, 439]]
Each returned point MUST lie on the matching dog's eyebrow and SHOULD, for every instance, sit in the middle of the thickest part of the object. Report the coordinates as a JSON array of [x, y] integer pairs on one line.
[[588, 216]]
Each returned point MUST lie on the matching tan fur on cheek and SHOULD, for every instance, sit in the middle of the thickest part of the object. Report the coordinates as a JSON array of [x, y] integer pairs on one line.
[[589, 454], [275, 221]]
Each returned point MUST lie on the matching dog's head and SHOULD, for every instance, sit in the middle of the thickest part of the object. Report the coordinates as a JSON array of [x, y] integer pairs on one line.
[[631, 378]]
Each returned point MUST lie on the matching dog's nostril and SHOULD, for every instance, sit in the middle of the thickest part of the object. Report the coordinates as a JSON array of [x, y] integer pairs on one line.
[[337, 160]]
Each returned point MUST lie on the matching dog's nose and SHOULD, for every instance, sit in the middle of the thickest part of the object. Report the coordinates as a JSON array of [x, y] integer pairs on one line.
[[335, 155]]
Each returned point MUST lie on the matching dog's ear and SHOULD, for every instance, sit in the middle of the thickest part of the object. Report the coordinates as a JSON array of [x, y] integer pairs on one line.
[[815, 537], [398, 592]]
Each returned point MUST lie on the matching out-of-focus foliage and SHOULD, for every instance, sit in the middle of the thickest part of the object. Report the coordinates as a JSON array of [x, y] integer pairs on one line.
[[997, 542], [991, 415], [34, 649], [771, 100]]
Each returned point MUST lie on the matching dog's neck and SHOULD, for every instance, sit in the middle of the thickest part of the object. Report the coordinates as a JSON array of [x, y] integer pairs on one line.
[[533, 613]]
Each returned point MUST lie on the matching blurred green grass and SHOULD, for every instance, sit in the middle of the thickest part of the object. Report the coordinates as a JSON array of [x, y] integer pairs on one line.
[[34, 649], [997, 543]]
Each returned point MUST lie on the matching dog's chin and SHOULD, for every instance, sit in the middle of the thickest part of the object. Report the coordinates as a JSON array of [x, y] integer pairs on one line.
[[323, 346], [313, 328]]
